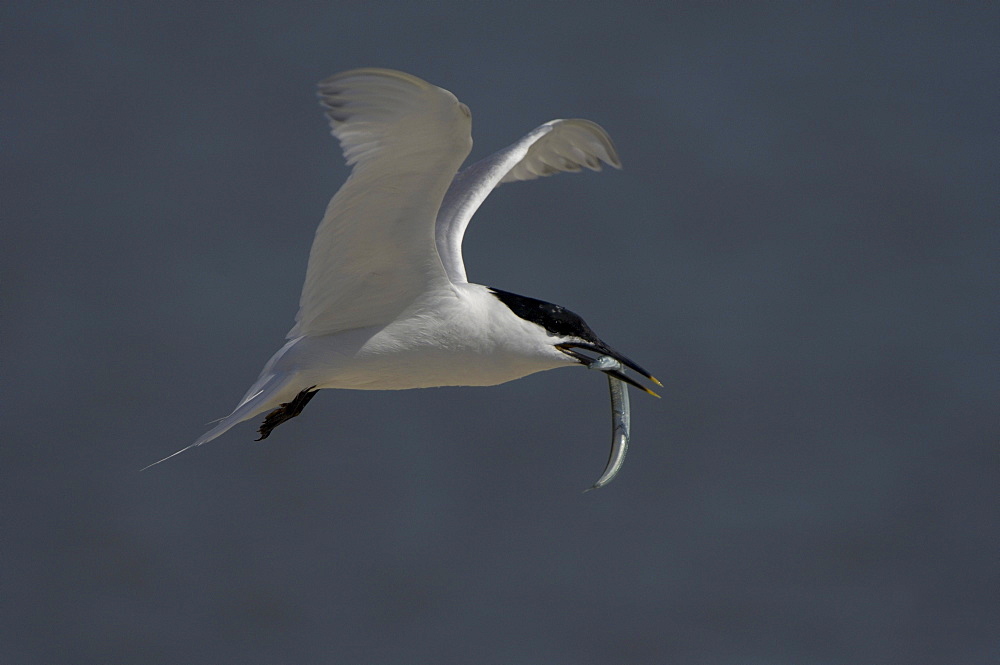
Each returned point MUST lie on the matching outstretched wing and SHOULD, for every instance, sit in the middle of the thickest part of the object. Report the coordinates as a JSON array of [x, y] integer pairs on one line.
[[374, 251], [556, 146]]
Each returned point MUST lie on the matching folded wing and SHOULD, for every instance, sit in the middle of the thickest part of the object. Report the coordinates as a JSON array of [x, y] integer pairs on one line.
[[556, 146], [374, 252]]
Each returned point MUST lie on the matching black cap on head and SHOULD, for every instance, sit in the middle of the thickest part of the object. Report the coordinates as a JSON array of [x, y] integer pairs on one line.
[[561, 322], [556, 319]]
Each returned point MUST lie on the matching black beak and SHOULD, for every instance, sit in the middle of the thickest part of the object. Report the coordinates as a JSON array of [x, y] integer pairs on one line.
[[570, 349]]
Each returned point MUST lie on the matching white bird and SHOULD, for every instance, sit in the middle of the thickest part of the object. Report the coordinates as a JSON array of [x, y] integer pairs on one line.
[[386, 304]]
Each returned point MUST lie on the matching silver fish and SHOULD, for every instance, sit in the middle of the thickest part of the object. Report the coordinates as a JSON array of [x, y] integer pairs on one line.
[[620, 420]]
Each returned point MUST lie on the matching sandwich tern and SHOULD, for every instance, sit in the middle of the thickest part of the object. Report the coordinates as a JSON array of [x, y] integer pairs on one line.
[[386, 303]]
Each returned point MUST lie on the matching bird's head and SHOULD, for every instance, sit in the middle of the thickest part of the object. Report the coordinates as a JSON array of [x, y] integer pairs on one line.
[[571, 335]]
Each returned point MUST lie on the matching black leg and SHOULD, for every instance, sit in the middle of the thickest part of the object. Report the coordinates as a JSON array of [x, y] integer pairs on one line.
[[286, 411]]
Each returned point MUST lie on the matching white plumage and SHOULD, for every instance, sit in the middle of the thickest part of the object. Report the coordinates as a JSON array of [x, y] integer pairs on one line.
[[386, 303]]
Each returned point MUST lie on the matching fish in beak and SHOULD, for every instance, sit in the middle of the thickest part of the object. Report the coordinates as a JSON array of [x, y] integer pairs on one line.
[[600, 362], [613, 365]]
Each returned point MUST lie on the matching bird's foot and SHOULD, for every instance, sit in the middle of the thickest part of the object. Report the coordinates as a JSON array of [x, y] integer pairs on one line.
[[285, 411]]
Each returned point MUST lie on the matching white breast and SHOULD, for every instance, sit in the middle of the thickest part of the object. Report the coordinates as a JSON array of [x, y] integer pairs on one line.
[[463, 337]]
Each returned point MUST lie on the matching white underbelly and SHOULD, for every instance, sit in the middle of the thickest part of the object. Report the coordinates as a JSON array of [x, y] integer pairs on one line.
[[425, 370], [359, 360]]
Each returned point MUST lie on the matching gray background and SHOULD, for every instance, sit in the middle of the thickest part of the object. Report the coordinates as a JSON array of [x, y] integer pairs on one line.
[[803, 245]]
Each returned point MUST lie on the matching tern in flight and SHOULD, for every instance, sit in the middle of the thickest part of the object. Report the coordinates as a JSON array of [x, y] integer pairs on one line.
[[386, 304]]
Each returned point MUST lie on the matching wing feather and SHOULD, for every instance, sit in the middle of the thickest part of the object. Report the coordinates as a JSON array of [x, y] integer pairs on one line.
[[556, 146], [374, 252]]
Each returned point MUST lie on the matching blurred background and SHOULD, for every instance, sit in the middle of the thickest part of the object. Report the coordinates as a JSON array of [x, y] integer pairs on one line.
[[802, 245]]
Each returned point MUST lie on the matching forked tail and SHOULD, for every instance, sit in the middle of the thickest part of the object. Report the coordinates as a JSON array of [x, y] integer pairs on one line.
[[268, 392]]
